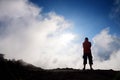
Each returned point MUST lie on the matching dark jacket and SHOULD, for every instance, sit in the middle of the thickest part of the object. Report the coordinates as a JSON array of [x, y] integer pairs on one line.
[[86, 47]]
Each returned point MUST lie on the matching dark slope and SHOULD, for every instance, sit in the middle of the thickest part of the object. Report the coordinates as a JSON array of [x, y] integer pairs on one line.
[[15, 70], [77, 75]]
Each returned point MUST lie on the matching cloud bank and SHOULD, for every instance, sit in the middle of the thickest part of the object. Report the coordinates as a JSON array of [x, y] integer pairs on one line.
[[46, 40], [106, 50]]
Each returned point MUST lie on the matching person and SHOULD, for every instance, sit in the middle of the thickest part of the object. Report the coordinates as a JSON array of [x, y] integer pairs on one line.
[[87, 53]]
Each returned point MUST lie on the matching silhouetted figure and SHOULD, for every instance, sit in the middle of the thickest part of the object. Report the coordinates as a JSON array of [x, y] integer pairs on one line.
[[87, 53]]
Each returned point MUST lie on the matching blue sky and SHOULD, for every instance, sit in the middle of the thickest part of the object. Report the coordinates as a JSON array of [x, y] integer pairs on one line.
[[88, 16]]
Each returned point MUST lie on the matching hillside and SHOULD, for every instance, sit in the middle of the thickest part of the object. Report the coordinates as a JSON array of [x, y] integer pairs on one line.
[[19, 70]]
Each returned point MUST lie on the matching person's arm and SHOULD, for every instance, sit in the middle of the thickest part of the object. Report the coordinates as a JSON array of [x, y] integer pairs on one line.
[[90, 44]]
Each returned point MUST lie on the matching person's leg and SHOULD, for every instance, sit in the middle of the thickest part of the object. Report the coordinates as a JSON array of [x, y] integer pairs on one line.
[[91, 67], [84, 66], [90, 61], [85, 61]]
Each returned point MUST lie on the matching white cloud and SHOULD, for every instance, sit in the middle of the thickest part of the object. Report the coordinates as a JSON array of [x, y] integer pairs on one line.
[[106, 50], [40, 39]]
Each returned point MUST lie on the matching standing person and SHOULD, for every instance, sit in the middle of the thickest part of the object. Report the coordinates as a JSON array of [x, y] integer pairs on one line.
[[87, 53]]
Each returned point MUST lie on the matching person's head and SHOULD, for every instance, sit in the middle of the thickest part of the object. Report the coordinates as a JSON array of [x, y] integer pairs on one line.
[[86, 39]]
